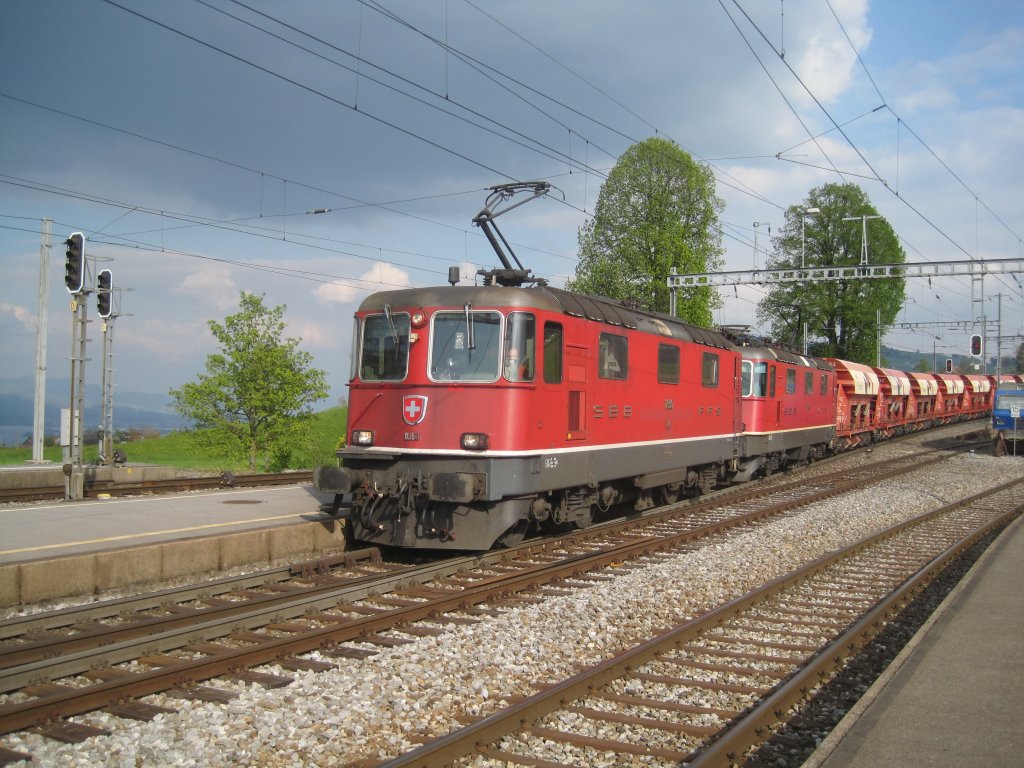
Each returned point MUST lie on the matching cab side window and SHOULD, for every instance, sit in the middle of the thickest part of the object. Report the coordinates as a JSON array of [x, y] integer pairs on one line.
[[709, 370], [520, 347], [668, 364], [612, 356], [553, 353]]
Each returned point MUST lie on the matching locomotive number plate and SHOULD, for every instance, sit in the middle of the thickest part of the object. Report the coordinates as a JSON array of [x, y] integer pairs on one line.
[[410, 436]]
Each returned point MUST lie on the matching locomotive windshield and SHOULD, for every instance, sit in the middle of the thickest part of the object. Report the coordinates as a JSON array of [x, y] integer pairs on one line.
[[465, 346], [385, 348]]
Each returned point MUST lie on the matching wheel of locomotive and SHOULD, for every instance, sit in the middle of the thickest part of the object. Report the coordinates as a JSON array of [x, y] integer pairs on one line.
[[513, 536], [669, 494], [583, 517]]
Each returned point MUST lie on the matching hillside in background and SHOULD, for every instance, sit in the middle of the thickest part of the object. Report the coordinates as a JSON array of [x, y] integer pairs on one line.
[[132, 410]]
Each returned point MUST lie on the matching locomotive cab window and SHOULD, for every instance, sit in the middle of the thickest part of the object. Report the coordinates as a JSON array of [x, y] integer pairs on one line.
[[384, 355], [824, 384], [465, 346], [612, 356], [709, 370], [553, 353], [668, 364], [755, 379], [520, 347], [353, 357], [808, 383], [790, 381]]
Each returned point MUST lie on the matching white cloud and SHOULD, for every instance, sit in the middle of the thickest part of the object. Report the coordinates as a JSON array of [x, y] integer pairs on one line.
[[24, 316], [826, 64], [213, 284], [380, 277], [318, 335], [172, 342]]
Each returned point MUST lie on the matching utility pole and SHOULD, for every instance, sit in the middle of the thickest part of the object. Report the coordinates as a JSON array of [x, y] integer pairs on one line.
[[878, 338], [863, 236], [999, 336], [39, 409], [75, 274], [758, 224], [104, 307]]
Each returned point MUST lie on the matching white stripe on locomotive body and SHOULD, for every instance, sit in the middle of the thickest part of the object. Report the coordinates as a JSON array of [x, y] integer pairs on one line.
[[382, 451], [811, 428]]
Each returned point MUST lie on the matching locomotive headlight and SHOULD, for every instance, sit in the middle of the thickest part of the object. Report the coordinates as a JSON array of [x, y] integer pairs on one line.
[[417, 319], [362, 437], [474, 441]]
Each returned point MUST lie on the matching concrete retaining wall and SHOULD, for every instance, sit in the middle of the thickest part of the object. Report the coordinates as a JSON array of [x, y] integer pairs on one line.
[[33, 581]]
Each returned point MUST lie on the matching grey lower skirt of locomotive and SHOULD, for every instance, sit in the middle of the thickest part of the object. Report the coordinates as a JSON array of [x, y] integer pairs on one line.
[[454, 503], [1008, 419], [480, 502]]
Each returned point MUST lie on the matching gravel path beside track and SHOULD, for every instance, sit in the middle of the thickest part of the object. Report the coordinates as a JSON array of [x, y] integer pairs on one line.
[[371, 708]]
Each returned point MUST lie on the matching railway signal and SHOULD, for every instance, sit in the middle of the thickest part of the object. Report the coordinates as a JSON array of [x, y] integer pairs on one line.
[[949, 365], [74, 266], [103, 293], [976, 345]]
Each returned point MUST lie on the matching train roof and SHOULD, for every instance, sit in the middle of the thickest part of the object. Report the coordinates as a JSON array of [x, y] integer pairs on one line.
[[552, 300], [785, 356]]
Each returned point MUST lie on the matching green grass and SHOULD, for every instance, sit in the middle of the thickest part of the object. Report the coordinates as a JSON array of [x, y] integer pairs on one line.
[[176, 450]]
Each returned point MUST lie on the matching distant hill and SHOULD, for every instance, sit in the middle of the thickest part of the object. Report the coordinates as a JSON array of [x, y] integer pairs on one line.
[[132, 410]]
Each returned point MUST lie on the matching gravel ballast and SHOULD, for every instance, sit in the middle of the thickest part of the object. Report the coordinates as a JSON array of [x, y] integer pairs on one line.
[[369, 709]]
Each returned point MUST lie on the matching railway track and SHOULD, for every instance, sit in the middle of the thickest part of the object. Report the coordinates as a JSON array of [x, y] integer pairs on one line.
[[750, 662], [95, 488], [355, 575], [110, 654]]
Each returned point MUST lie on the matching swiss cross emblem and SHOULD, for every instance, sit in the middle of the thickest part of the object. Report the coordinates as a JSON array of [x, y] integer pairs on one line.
[[414, 408]]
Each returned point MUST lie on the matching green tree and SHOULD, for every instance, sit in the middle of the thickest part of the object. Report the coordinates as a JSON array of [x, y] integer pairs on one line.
[[656, 210], [841, 315], [1020, 358], [254, 401]]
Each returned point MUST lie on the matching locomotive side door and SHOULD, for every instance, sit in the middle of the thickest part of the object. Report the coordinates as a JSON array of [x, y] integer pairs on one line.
[[737, 410], [577, 357], [777, 409]]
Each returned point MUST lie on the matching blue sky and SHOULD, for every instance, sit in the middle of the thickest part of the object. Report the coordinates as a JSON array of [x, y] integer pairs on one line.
[[190, 147]]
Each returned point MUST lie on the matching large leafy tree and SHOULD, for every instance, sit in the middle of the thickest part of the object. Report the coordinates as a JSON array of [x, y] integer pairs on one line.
[[841, 315], [254, 400], [656, 210]]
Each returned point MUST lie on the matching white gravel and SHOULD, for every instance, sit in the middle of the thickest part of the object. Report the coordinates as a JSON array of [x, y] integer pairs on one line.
[[371, 708]]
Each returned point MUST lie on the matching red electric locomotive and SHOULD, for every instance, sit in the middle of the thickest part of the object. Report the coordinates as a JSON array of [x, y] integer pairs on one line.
[[788, 409], [476, 413]]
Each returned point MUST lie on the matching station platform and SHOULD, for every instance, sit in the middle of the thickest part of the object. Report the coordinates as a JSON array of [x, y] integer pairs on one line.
[[955, 695], [51, 473], [54, 550]]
